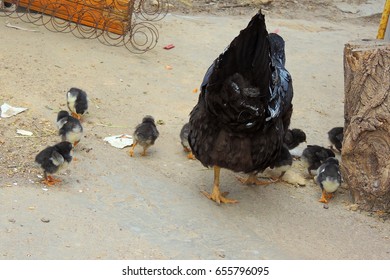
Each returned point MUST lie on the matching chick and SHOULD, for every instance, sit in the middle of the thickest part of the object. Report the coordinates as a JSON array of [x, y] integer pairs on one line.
[[315, 155], [77, 102], [294, 137], [145, 134], [184, 140], [328, 178], [70, 128], [283, 163], [336, 136], [54, 158]]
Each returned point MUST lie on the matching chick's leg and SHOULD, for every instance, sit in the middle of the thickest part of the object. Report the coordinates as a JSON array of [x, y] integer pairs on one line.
[[131, 152], [252, 180], [49, 180], [324, 197], [216, 194], [144, 151], [77, 116]]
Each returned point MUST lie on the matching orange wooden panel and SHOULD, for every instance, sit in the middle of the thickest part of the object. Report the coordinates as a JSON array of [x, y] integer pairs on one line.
[[110, 15]]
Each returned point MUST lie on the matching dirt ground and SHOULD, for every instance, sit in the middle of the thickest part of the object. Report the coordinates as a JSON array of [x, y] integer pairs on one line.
[[111, 206]]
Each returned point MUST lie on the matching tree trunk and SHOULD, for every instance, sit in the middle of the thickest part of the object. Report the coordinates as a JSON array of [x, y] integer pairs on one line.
[[366, 147]]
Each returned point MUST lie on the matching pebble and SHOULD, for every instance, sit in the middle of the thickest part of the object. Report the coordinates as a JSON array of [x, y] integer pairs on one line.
[[45, 220]]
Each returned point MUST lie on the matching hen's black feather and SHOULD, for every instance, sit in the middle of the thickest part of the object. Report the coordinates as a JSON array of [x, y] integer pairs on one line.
[[244, 107]]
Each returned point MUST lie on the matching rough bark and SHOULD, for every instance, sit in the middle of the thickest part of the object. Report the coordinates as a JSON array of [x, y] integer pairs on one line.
[[366, 146]]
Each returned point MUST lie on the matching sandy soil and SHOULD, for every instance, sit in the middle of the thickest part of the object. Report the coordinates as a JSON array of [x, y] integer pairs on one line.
[[111, 206]]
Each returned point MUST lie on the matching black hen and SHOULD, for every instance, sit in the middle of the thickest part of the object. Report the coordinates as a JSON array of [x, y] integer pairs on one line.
[[54, 158], [336, 136], [244, 107]]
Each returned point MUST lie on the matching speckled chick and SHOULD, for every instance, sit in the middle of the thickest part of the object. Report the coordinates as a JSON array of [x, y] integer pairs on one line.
[[184, 140], [328, 178], [335, 136], [54, 158], [315, 155], [69, 128], [77, 102], [145, 135]]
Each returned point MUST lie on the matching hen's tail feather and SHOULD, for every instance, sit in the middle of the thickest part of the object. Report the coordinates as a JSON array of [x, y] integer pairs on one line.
[[248, 55]]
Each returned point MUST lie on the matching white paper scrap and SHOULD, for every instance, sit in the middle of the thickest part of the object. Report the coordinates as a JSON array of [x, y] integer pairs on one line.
[[119, 141], [9, 111], [24, 132]]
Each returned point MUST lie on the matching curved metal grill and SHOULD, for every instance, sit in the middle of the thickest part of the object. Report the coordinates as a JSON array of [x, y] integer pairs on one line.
[[128, 23]]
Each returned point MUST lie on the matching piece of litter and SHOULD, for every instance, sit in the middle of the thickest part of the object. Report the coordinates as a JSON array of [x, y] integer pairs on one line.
[[44, 220], [40, 176], [9, 111], [195, 90], [168, 47], [120, 141], [160, 122], [20, 28], [24, 132], [168, 67], [45, 189]]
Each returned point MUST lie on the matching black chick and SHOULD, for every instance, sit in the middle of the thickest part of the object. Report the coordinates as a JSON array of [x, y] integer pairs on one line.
[[336, 136], [145, 134], [77, 102], [294, 137], [184, 140], [244, 107], [328, 178], [315, 155], [54, 158], [70, 128]]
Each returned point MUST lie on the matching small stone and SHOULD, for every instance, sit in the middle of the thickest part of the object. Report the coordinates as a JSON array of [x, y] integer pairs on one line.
[[45, 220], [326, 206], [353, 207], [12, 220]]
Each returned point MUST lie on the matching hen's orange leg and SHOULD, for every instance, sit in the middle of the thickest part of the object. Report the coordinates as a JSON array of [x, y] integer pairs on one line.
[[252, 180], [131, 152], [191, 155], [216, 194]]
